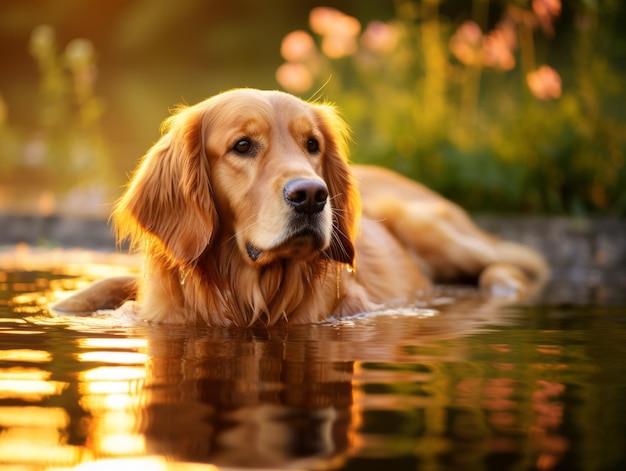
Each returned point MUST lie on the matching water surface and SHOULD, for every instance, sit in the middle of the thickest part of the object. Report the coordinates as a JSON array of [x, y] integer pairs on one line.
[[456, 383]]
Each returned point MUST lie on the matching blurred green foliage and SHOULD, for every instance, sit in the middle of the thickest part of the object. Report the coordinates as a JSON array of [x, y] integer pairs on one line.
[[501, 105], [469, 108], [67, 151]]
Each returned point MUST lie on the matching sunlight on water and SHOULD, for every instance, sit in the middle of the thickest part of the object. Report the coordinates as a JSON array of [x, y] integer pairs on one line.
[[25, 355], [452, 382], [131, 358], [121, 343], [409, 311], [144, 464], [28, 384]]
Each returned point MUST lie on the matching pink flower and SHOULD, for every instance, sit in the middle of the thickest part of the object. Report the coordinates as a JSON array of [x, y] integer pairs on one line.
[[380, 37], [465, 43], [508, 33], [326, 20], [546, 11], [297, 46], [497, 51], [294, 77], [544, 83], [337, 46], [338, 30]]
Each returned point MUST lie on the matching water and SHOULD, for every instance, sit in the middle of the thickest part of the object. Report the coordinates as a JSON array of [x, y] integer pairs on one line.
[[458, 383]]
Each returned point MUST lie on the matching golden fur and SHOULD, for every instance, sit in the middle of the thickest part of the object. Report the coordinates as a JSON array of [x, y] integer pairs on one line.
[[211, 206]]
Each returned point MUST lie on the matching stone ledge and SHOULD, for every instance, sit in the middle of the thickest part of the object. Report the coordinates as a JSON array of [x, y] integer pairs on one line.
[[587, 251], [56, 231]]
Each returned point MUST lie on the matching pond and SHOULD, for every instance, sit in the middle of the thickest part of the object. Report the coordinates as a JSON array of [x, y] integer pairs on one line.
[[459, 382]]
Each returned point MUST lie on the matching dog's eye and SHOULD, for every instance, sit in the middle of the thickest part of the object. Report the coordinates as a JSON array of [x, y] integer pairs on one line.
[[312, 145], [243, 146]]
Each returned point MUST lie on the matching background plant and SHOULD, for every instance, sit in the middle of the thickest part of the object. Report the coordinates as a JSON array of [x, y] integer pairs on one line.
[[507, 105], [65, 154], [469, 105]]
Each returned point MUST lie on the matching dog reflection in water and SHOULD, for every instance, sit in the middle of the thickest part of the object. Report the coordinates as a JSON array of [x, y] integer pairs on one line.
[[293, 396], [247, 399]]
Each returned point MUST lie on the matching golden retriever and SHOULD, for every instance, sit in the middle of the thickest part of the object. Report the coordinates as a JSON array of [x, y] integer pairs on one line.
[[249, 212]]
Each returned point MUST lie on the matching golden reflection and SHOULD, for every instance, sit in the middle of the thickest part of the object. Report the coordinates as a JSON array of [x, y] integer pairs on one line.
[[147, 463], [126, 358], [80, 268], [25, 355], [355, 439], [115, 423], [112, 343], [111, 379], [111, 394], [109, 401], [28, 384], [36, 446], [21, 332], [106, 387], [113, 373], [75, 262], [120, 444], [25, 298], [12, 321], [33, 435], [33, 416]]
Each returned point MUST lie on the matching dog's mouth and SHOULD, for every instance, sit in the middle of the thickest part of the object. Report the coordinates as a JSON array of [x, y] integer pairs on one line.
[[253, 252], [299, 245]]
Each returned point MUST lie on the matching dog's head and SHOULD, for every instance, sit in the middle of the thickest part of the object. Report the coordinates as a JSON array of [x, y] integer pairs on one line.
[[262, 168]]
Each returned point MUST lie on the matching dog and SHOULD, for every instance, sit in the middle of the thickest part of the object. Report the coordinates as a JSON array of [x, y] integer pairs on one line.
[[249, 212]]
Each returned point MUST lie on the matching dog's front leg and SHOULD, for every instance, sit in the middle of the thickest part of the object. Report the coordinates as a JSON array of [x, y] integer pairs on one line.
[[109, 293]]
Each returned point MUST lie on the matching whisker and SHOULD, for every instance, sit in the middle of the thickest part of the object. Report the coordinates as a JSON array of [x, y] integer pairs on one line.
[[318, 92], [234, 236]]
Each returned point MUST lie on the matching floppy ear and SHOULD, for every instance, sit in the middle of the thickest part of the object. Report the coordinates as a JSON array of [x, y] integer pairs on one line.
[[169, 196], [344, 195]]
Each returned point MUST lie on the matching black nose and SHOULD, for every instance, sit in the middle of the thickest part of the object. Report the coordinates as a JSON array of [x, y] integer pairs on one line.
[[306, 196]]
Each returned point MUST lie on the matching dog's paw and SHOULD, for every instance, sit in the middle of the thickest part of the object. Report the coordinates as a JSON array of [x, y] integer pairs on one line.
[[73, 306], [109, 293], [505, 280]]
